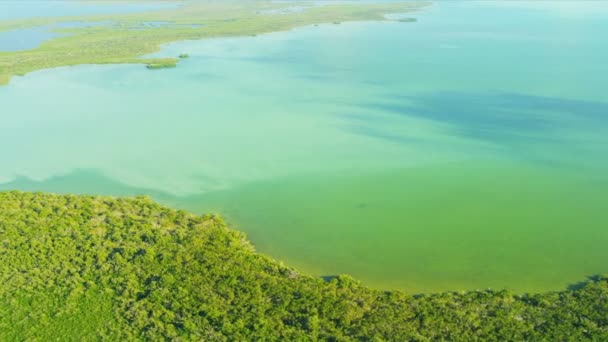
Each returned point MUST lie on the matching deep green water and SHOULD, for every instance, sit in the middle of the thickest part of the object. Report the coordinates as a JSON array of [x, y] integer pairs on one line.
[[467, 150]]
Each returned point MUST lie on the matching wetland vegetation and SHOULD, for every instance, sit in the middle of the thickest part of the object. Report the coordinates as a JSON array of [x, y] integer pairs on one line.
[[86, 268], [120, 43], [162, 65]]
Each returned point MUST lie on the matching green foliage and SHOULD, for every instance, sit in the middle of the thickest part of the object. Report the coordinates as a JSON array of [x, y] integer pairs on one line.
[[78, 268], [161, 65], [184, 55]]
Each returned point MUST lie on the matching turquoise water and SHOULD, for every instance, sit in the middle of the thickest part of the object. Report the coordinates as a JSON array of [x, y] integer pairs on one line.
[[466, 150], [25, 9], [31, 37], [25, 39]]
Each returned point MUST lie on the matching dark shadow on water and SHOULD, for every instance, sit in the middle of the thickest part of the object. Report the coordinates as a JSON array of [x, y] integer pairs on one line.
[[84, 182], [498, 117], [526, 126], [93, 182], [582, 284]]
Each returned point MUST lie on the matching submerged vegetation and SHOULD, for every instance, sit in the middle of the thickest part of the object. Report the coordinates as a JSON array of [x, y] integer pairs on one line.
[[83, 268], [129, 38]]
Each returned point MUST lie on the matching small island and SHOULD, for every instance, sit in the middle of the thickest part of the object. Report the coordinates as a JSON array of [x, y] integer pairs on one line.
[[155, 66]]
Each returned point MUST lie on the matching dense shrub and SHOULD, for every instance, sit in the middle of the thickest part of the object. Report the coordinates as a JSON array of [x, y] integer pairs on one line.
[[81, 268]]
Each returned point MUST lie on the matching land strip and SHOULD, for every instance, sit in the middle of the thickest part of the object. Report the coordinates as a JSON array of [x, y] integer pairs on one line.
[[127, 38]]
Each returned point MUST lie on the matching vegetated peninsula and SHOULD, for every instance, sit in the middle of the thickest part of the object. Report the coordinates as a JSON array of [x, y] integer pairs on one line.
[[125, 40], [166, 65], [85, 268]]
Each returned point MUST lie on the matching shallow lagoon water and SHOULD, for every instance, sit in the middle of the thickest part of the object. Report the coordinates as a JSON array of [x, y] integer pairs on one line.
[[24, 9], [32, 37], [463, 151], [25, 39]]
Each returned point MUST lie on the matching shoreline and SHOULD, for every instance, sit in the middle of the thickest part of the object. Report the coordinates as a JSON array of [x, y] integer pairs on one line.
[[574, 286], [124, 45], [130, 269]]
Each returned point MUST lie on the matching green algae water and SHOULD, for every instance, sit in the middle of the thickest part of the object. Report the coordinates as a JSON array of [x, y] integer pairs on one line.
[[466, 150]]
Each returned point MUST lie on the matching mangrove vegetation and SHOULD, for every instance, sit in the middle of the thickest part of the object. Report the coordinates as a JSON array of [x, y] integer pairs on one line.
[[85, 268]]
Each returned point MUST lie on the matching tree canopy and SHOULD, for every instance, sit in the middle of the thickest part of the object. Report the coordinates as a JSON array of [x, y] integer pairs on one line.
[[78, 268]]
